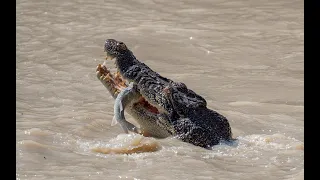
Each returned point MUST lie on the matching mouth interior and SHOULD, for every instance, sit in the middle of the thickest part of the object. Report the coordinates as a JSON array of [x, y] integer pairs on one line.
[[109, 56], [119, 83]]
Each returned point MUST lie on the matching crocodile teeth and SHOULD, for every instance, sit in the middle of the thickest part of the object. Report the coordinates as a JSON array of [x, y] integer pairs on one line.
[[104, 63], [117, 74], [107, 77], [98, 67]]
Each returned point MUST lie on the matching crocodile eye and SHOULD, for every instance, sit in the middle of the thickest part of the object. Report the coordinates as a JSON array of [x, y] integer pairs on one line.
[[122, 46]]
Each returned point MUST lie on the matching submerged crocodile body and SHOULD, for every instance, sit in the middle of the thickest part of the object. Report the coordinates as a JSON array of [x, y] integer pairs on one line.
[[179, 111]]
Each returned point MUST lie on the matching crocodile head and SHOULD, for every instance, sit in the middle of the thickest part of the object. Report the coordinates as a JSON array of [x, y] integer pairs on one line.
[[149, 83], [118, 51], [115, 48], [165, 95]]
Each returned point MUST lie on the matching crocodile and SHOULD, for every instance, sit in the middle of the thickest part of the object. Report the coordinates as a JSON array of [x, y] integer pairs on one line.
[[179, 110]]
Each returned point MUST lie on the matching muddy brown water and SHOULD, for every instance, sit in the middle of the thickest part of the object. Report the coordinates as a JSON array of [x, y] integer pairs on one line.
[[244, 57]]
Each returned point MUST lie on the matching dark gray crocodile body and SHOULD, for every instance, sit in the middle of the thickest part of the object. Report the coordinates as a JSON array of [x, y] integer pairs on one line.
[[186, 111]]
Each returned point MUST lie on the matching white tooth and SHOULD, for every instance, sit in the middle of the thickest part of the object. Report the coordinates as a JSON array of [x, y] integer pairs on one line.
[[104, 63]]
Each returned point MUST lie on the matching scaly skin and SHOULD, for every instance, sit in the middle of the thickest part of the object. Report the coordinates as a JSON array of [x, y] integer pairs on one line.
[[183, 99], [183, 113]]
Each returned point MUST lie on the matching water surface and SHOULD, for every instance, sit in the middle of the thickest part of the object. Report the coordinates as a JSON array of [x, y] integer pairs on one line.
[[244, 57]]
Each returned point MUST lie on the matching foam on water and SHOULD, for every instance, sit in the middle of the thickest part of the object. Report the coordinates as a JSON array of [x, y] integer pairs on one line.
[[252, 151]]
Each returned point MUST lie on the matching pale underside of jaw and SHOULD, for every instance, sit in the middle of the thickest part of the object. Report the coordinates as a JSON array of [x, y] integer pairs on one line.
[[110, 58]]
